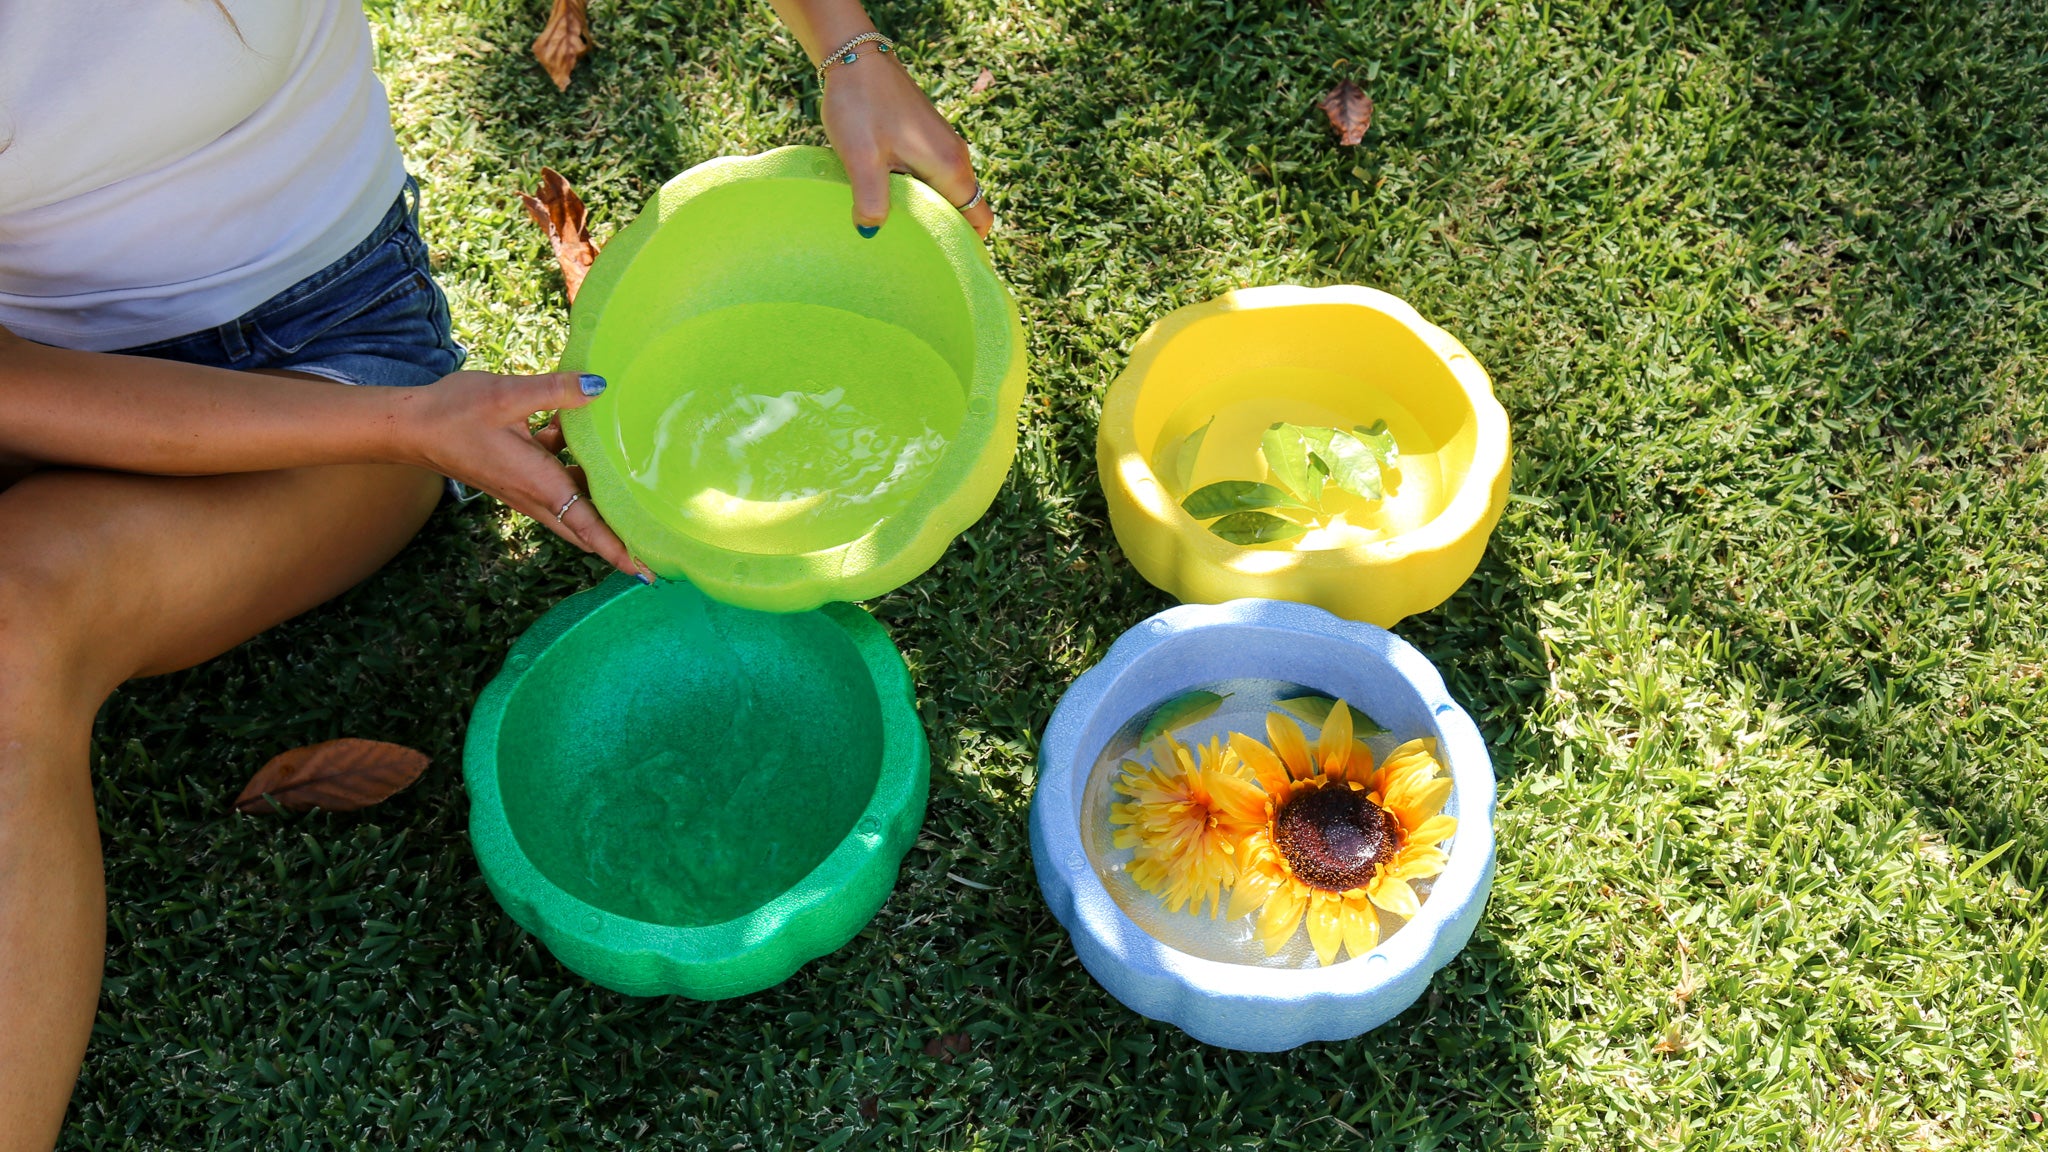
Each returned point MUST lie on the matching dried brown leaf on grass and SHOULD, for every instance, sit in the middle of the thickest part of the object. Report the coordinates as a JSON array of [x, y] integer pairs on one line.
[[982, 82], [565, 41], [338, 775], [560, 214], [1349, 110], [1673, 1041], [949, 1047]]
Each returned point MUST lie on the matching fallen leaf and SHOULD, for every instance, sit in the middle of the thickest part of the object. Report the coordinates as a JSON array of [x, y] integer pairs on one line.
[[338, 775], [1255, 528], [565, 40], [1673, 1041], [1190, 451], [870, 1107], [1179, 712], [950, 1047], [1227, 496], [1349, 110], [982, 82], [560, 214], [1316, 709], [1688, 984]]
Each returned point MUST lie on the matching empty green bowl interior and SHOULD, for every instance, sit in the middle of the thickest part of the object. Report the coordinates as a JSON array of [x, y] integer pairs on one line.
[[678, 761], [780, 385]]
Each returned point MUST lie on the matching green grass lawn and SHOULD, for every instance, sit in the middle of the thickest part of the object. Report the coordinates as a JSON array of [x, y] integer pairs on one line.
[[1759, 646]]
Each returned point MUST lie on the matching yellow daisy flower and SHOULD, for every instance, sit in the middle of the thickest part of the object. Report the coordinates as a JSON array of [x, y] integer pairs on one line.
[[1186, 817], [1340, 837]]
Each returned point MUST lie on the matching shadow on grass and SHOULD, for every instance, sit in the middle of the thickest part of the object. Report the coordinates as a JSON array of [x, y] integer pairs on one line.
[[1879, 512], [272, 983]]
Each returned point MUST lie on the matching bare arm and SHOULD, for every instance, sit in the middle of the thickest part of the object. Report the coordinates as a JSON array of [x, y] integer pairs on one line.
[[132, 414], [879, 120], [135, 414]]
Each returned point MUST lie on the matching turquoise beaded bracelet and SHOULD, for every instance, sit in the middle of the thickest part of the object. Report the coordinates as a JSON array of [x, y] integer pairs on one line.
[[845, 54]]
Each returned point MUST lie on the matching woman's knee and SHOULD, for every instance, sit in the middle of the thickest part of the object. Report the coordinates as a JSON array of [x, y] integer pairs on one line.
[[43, 653]]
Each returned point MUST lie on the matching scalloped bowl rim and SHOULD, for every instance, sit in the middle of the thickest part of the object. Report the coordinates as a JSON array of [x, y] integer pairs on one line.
[[549, 911], [1104, 935], [910, 539], [1469, 510]]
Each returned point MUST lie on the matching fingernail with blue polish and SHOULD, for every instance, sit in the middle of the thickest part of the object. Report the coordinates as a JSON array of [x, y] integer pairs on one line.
[[591, 383], [867, 231]]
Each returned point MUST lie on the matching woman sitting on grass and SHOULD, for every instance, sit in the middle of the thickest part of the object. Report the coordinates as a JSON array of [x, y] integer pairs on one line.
[[207, 239]]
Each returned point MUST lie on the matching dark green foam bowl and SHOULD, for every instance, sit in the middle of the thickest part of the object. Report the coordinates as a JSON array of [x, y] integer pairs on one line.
[[678, 796]]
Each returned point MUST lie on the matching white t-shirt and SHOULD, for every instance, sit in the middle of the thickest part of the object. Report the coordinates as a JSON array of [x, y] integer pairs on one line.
[[164, 168]]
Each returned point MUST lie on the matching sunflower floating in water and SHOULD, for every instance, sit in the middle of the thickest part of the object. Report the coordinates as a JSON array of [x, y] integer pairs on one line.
[[1322, 835], [1186, 818], [1341, 839]]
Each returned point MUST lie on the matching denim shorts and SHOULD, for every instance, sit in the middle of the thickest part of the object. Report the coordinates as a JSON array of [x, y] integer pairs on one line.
[[375, 316]]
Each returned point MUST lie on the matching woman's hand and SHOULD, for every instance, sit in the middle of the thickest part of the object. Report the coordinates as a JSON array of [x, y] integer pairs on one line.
[[472, 426], [879, 121]]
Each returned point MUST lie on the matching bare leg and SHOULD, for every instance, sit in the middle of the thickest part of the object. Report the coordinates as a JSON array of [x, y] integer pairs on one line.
[[104, 577]]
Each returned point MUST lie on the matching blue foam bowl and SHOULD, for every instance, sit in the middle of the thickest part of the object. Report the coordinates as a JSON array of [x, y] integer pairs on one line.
[[1236, 1005]]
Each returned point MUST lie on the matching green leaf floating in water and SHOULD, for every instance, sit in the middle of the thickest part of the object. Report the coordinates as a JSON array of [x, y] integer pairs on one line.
[[1303, 458], [1184, 460], [1179, 712], [1316, 709], [1287, 458], [1255, 528], [1381, 442], [1226, 496], [1352, 465]]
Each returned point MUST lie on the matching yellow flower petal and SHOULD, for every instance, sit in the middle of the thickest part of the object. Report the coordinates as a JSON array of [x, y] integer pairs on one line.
[[1401, 759], [1417, 861], [1333, 747], [1290, 744], [1271, 774], [1254, 885], [1434, 830], [1280, 917], [1361, 927], [1359, 771], [1414, 808], [1394, 895], [1323, 929]]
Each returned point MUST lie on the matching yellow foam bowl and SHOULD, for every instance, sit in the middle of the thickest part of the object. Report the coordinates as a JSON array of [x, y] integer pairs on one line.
[[1337, 357]]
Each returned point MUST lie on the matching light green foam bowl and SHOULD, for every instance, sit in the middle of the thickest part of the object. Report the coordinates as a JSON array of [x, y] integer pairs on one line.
[[743, 285]]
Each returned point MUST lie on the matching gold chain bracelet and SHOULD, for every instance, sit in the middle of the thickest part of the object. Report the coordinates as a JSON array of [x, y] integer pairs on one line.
[[845, 54]]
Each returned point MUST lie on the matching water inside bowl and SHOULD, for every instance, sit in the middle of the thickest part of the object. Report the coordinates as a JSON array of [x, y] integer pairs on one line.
[[785, 427], [682, 762], [1246, 703], [1245, 404]]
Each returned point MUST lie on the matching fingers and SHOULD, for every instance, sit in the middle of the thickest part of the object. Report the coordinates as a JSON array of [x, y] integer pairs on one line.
[[598, 537], [524, 395], [560, 502], [549, 436], [942, 160], [870, 179]]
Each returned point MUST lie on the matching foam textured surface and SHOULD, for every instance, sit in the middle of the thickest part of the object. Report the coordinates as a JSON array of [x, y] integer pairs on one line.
[[1236, 1005], [1332, 348], [681, 796], [775, 229]]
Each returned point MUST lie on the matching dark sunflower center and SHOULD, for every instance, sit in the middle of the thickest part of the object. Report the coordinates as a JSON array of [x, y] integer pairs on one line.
[[1333, 836]]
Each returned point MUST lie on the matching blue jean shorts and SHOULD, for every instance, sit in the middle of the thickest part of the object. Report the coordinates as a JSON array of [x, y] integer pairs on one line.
[[375, 316]]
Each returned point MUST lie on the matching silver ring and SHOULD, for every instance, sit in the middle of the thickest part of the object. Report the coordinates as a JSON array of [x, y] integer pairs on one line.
[[564, 509], [971, 200]]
